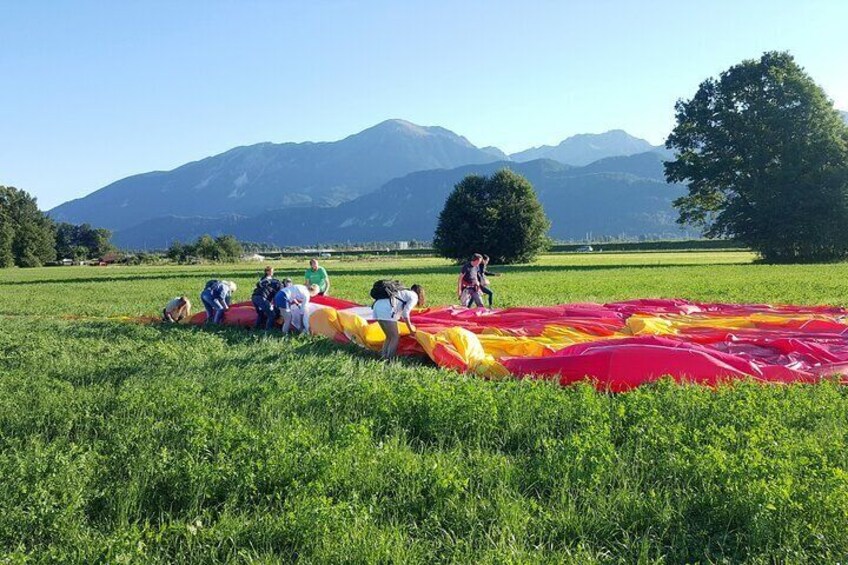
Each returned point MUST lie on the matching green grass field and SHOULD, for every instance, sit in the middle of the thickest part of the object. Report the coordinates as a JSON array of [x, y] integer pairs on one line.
[[130, 443]]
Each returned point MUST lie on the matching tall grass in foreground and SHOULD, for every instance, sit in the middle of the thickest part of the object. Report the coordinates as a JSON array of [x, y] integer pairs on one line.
[[124, 443]]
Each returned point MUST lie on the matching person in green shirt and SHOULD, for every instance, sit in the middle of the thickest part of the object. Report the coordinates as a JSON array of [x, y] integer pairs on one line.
[[316, 274]]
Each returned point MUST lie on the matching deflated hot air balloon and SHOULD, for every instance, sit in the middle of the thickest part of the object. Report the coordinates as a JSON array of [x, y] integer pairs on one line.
[[618, 346]]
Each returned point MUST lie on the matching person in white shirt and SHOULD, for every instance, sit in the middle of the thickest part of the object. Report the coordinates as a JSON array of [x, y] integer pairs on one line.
[[176, 310], [294, 296], [387, 312]]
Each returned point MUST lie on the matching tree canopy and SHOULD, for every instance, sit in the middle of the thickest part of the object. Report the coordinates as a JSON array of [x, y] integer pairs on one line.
[[225, 248], [29, 238], [497, 215], [26, 235], [82, 242], [765, 158]]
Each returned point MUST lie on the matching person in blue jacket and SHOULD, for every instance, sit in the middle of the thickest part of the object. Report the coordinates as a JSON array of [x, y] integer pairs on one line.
[[262, 298], [216, 298]]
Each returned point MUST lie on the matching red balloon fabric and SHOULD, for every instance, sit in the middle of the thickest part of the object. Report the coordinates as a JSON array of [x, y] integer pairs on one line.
[[617, 346]]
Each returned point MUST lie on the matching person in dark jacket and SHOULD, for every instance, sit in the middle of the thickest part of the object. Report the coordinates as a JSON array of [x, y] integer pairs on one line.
[[483, 276], [468, 284], [262, 298], [216, 298]]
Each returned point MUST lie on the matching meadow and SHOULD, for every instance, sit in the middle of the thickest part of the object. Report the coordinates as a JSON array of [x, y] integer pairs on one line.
[[123, 442]]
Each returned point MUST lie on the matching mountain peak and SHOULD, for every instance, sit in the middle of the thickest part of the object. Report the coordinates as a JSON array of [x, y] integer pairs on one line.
[[492, 150], [247, 180], [397, 128], [584, 148], [397, 124]]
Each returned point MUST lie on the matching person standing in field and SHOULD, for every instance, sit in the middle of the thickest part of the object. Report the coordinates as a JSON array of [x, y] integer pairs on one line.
[[294, 296], [468, 284], [177, 309], [317, 275], [262, 298], [398, 306], [216, 298], [483, 275]]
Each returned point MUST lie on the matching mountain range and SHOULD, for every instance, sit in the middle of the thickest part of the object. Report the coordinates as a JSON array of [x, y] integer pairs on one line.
[[253, 179], [617, 196], [388, 182], [586, 148], [256, 178]]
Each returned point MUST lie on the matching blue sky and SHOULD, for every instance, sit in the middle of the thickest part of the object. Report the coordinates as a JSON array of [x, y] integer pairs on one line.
[[96, 91]]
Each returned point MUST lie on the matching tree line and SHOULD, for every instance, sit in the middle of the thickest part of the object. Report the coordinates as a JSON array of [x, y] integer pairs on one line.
[[29, 238]]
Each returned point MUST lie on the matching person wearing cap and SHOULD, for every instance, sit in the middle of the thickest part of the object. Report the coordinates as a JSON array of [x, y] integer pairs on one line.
[[316, 274], [387, 312], [296, 297], [468, 284], [216, 298], [262, 298], [177, 309]]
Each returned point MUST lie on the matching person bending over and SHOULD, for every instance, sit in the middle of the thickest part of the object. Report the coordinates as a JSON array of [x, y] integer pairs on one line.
[[262, 298], [387, 312], [281, 305], [216, 298], [294, 296], [177, 309]]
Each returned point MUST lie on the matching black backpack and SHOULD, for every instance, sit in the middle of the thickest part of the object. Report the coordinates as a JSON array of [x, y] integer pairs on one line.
[[384, 289], [210, 283]]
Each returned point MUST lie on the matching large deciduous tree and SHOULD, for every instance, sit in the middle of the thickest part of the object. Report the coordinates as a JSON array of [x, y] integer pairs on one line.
[[26, 234], [7, 235], [765, 158], [497, 215], [228, 249], [225, 249], [82, 242]]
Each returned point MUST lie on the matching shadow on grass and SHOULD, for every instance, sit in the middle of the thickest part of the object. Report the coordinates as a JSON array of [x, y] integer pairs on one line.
[[232, 336]]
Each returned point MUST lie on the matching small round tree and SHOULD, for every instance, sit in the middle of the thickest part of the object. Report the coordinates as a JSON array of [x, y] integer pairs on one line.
[[765, 158], [497, 215]]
